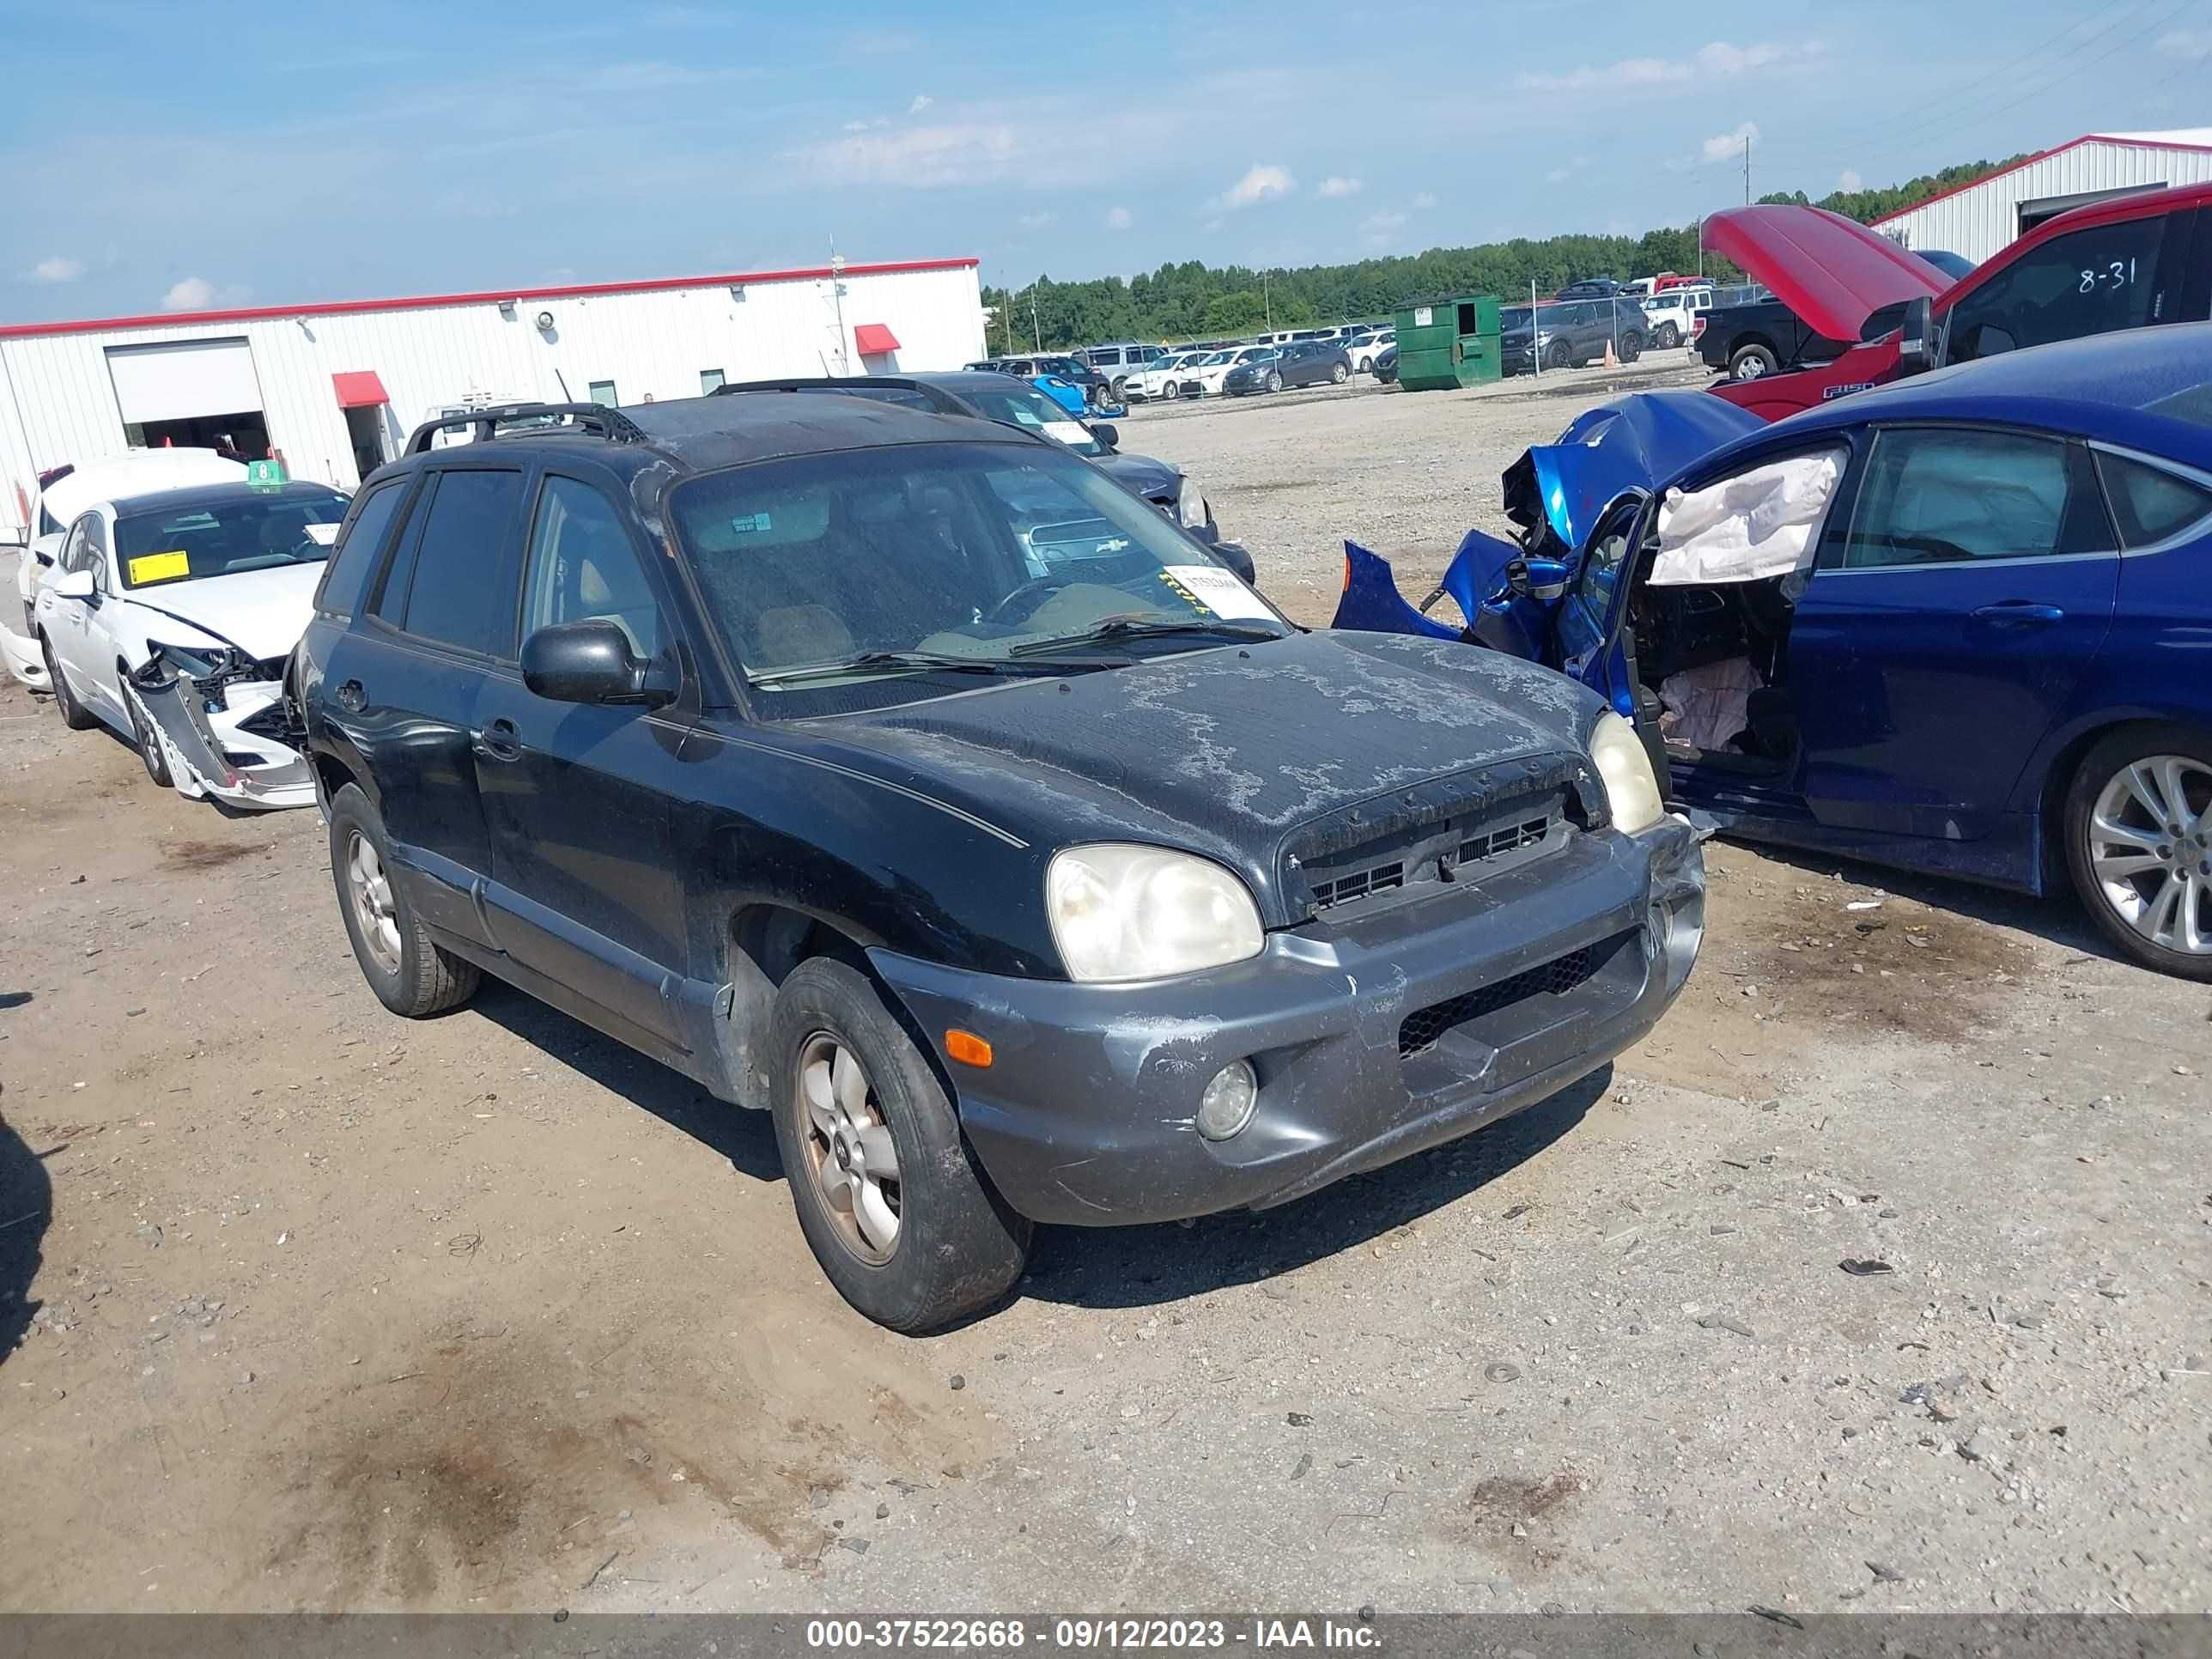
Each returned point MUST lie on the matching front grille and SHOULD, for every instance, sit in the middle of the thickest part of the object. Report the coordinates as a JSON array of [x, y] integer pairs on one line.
[[1448, 852], [1498, 842], [1359, 884], [1421, 1030]]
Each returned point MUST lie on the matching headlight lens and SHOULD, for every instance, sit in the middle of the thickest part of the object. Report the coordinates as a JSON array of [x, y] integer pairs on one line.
[[1630, 785], [1191, 511], [1127, 912]]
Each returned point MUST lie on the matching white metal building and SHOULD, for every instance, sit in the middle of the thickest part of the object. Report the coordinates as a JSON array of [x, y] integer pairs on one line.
[[1975, 220], [335, 388]]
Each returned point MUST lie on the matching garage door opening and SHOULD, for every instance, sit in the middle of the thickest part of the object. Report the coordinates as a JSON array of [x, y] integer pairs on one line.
[[190, 392], [361, 396]]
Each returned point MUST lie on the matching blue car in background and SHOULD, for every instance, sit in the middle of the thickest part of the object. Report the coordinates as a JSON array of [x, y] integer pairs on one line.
[[1960, 624]]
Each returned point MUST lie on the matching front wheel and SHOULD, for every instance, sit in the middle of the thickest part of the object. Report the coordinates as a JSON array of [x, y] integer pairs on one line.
[[2139, 845], [887, 1194], [143, 733], [411, 974], [1666, 337], [1556, 355], [1167, 393], [1274, 383], [1752, 361]]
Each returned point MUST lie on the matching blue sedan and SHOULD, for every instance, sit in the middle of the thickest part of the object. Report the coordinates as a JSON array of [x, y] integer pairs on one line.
[[1961, 624]]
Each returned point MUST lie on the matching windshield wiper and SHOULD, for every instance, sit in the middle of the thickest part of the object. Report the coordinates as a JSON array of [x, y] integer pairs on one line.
[[1145, 628], [936, 661]]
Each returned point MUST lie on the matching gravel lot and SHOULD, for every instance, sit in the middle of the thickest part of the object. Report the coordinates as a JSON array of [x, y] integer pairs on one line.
[[319, 1310]]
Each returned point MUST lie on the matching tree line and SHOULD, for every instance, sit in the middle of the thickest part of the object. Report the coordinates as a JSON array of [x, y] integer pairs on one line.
[[1194, 300]]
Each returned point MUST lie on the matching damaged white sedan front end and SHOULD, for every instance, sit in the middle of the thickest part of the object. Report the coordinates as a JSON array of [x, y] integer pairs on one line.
[[226, 724]]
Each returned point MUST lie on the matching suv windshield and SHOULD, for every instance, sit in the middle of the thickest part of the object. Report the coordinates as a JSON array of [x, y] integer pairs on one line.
[[913, 562], [226, 535], [1018, 404]]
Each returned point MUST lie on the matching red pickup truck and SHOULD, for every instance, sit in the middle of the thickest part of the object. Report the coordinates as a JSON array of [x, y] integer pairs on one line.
[[2127, 262]]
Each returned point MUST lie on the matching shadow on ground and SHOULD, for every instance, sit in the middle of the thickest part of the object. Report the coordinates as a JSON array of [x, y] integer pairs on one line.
[[1138, 1267], [25, 1208], [744, 1137]]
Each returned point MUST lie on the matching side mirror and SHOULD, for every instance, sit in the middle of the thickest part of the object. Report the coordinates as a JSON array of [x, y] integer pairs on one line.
[[1541, 580], [1238, 558], [1916, 348], [1107, 434], [72, 585], [590, 661]]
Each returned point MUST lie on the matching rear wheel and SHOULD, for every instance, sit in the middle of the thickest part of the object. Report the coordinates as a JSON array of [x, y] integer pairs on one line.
[[75, 714], [1339, 373], [890, 1197], [1751, 361], [2139, 845], [411, 975], [1666, 337]]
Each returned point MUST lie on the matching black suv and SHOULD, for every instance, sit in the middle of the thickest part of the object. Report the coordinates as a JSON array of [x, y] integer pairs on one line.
[[1570, 334], [994, 397], [901, 773]]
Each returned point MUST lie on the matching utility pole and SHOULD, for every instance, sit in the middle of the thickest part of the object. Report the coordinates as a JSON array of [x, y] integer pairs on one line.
[[1037, 328], [1010, 322], [1746, 169], [837, 294], [1268, 298]]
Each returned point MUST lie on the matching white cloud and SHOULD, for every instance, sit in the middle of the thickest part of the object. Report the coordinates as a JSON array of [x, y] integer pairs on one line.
[[1118, 219], [922, 101], [1423, 201], [2189, 44], [56, 268], [1334, 186], [1728, 146], [192, 293], [1263, 183], [921, 157], [1035, 221], [1718, 61], [1385, 219], [1847, 180]]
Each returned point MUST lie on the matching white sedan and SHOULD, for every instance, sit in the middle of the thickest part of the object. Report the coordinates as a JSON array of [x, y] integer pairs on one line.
[[1210, 372], [1164, 378], [171, 617]]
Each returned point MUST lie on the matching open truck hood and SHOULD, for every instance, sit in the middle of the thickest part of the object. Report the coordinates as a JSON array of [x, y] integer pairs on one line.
[[1832, 271]]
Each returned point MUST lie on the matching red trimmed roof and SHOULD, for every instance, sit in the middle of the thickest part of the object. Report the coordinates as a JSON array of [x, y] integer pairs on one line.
[[2130, 142], [488, 296], [873, 337], [359, 388]]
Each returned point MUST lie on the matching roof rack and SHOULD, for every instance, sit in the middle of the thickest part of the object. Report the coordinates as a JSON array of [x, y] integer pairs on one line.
[[610, 423]]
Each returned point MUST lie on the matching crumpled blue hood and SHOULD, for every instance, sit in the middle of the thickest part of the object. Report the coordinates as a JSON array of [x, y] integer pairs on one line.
[[1637, 442]]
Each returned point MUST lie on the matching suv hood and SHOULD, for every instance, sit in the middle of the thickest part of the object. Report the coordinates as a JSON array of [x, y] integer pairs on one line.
[[1832, 271], [1225, 751], [261, 612]]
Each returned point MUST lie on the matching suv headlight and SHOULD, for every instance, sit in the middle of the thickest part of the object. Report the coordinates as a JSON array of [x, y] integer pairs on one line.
[[1631, 787], [1119, 912], [1191, 511]]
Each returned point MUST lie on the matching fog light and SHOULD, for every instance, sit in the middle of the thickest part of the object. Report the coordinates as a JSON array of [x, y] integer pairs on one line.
[[1227, 1106]]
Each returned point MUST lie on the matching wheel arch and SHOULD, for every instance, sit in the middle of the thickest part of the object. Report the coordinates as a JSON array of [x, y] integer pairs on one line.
[[2049, 782]]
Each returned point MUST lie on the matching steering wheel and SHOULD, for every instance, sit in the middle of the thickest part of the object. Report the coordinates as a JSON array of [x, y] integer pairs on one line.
[[998, 611]]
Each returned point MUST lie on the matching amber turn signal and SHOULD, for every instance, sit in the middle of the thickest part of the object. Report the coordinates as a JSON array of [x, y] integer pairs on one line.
[[966, 1048]]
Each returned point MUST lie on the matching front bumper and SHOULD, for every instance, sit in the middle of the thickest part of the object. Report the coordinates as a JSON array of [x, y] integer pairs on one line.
[[210, 755], [1373, 1039], [21, 654]]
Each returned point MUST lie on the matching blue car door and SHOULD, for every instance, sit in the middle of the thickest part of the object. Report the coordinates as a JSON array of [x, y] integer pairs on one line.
[[1946, 625]]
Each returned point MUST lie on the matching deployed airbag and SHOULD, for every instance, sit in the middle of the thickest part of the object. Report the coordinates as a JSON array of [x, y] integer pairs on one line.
[[1760, 524]]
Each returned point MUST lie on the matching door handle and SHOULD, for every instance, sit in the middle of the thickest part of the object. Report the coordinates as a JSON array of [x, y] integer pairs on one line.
[[499, 741], [351, 697], [2017, 613]]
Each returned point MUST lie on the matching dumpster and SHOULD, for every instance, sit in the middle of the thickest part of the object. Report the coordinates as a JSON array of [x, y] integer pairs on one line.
[[1447, 343]]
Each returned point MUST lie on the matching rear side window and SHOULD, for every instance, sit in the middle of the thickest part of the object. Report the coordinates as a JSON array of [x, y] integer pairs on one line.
[[346, 578], [463, 588], [2150, 505]]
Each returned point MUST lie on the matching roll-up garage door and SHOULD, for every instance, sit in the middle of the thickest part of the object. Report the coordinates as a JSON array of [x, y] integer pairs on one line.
[[183, 379]]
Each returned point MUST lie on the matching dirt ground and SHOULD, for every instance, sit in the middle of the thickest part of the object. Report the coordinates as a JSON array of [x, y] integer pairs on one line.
[[317, 1308]]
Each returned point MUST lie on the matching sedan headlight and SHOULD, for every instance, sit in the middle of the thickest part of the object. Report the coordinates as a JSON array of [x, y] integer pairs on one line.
[[1126, 912], [1630, 785], [1191, 511]]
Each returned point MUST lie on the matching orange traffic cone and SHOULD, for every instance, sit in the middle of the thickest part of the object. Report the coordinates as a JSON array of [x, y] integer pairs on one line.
[[1611, 361]]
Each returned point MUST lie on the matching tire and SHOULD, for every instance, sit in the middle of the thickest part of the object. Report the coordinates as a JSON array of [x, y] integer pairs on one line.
[[1117, 388], [75, 714], [1556, 355], [1274, 382], [411, 975], [1631, 346], [2173, 884], [1666, 337], [1751, 361], [1337, 373], [941, 1244], [143, 733], [1167, 393]]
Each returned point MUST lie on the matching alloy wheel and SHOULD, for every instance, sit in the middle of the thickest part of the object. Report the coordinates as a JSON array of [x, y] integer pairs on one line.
[[2150, 850], [370, 891], [849, 1149]]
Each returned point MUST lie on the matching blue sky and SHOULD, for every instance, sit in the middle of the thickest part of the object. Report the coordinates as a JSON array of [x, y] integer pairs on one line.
[[313, 153]]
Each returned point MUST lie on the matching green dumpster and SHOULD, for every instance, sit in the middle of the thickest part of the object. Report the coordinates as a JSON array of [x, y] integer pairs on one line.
[[1447, 343]]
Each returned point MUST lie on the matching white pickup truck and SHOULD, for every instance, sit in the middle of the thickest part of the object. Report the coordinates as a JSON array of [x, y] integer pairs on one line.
[[1670, 314]]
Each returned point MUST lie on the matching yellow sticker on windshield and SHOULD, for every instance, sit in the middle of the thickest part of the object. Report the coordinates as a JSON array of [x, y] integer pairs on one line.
[[159, 567]]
